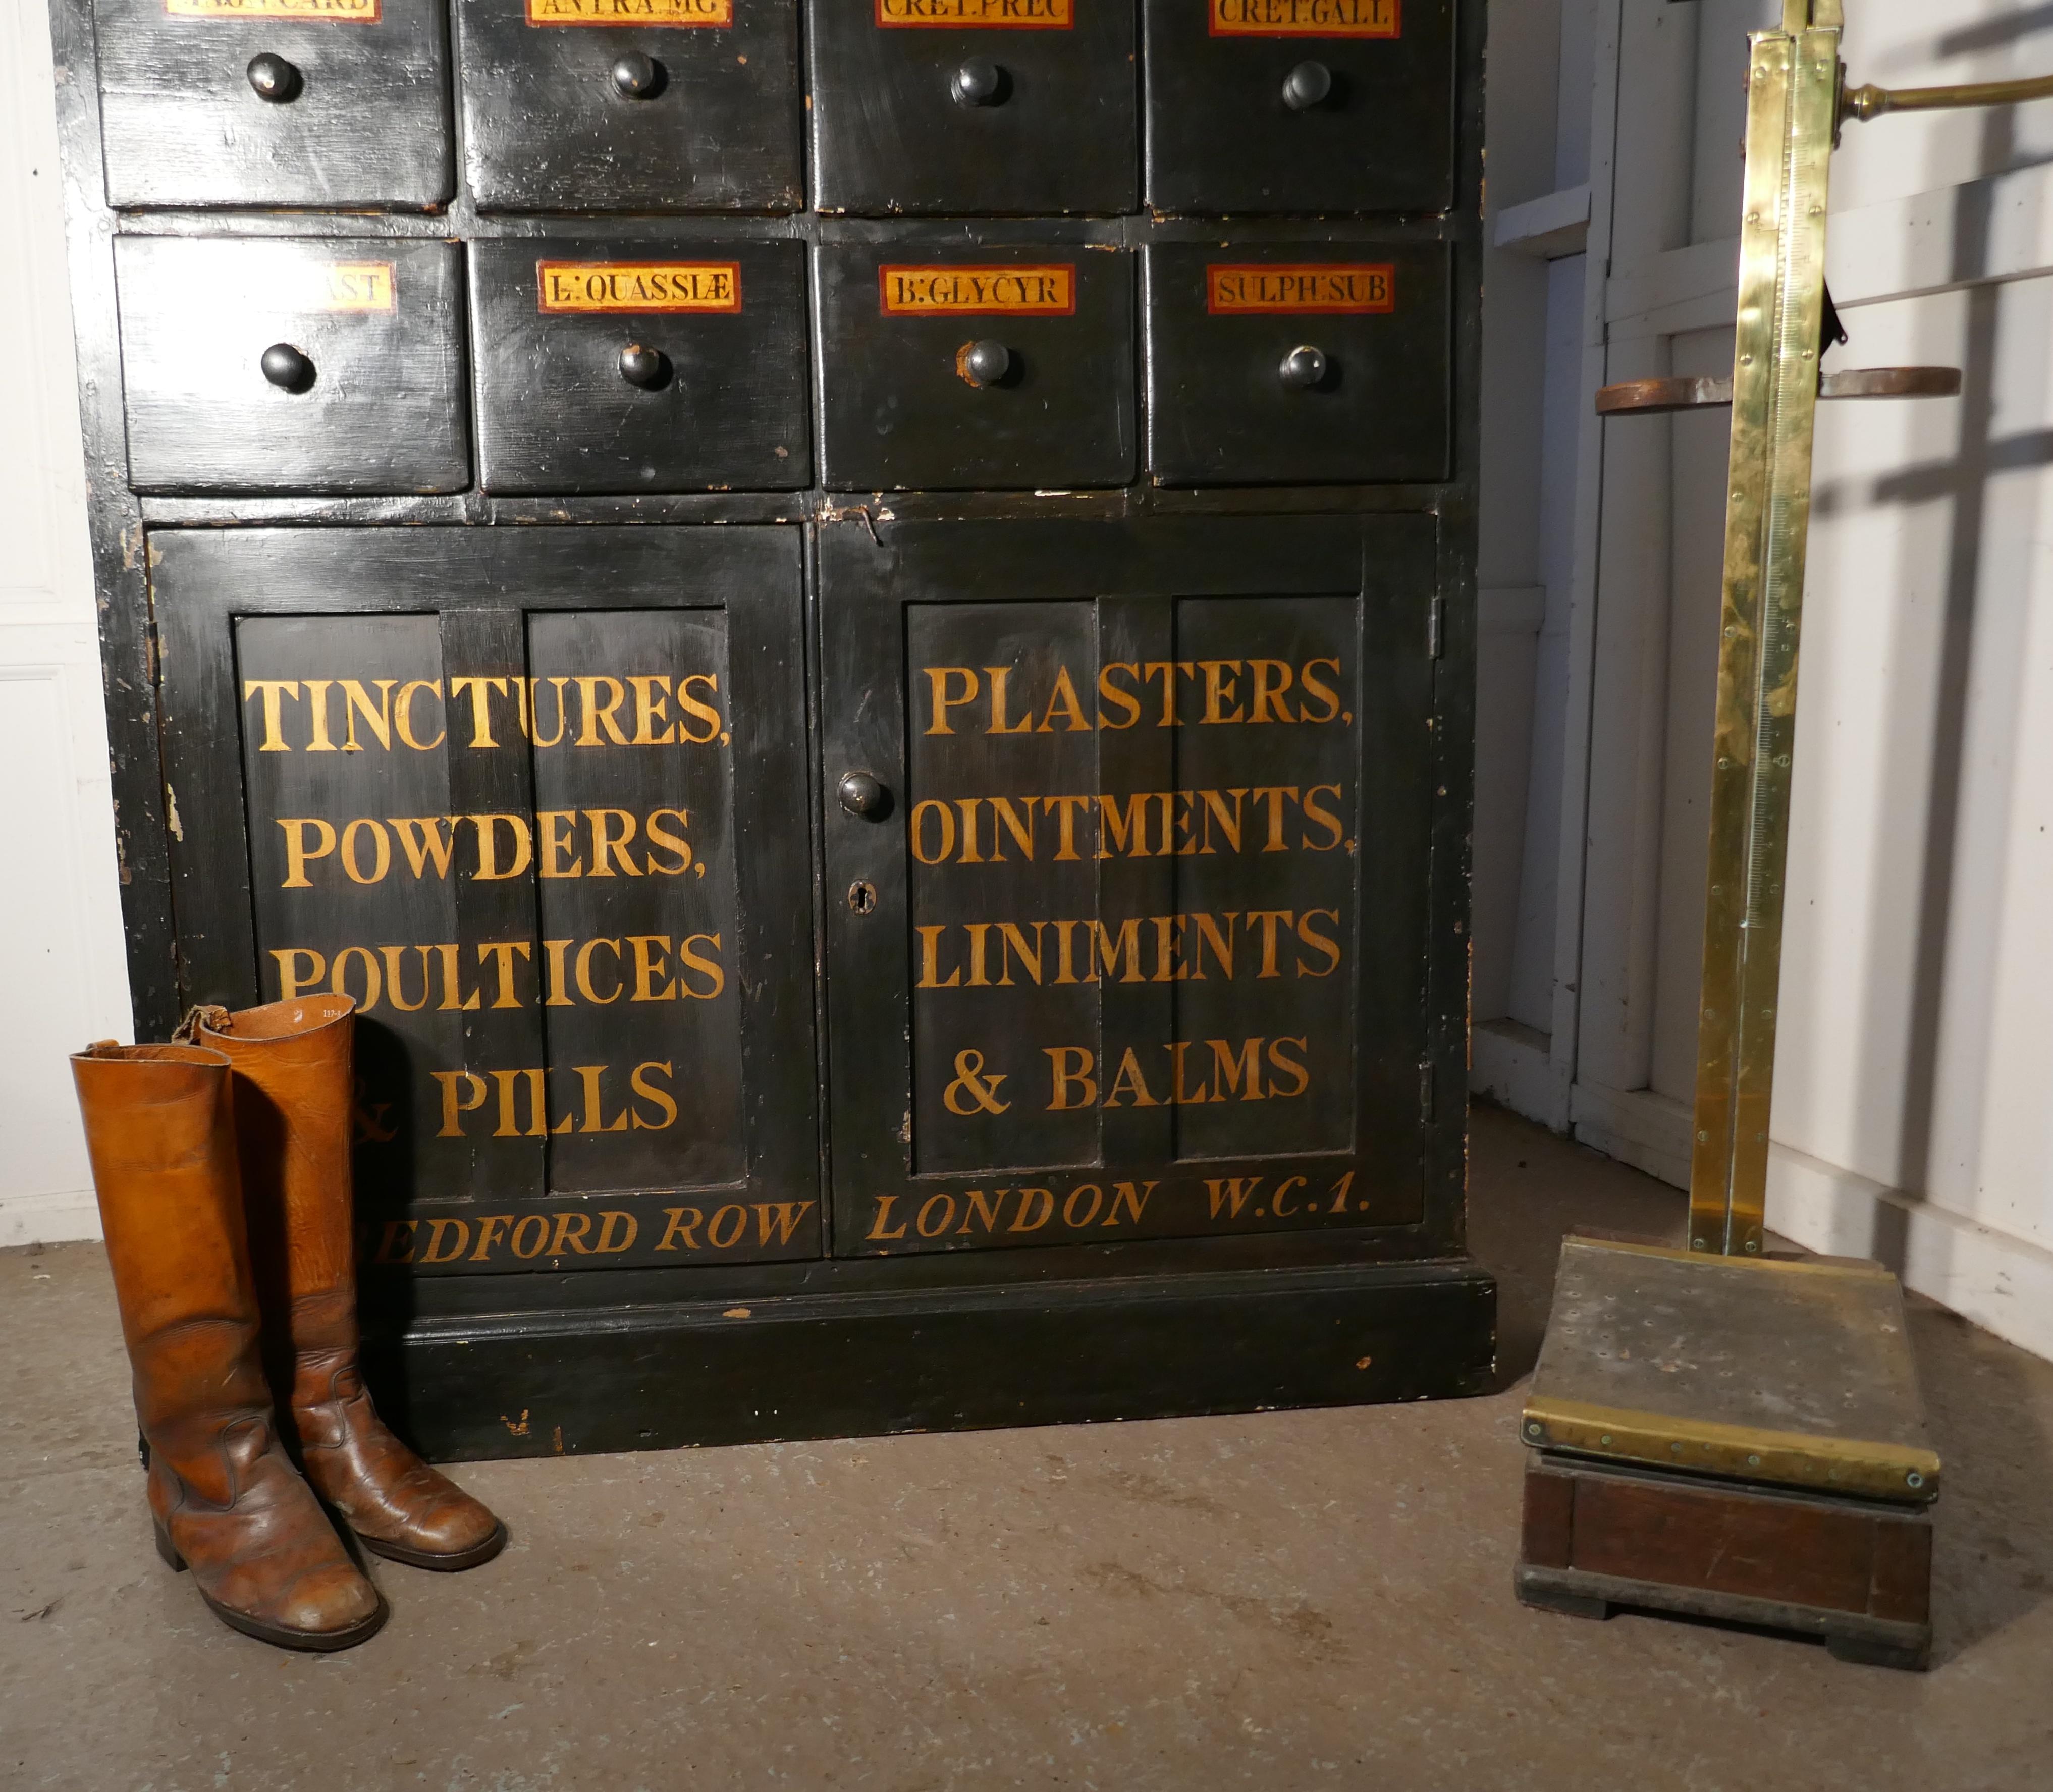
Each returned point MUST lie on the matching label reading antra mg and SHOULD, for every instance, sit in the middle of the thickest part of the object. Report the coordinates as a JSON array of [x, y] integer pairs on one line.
[[1039, 291], [639, 286], [631, 12]]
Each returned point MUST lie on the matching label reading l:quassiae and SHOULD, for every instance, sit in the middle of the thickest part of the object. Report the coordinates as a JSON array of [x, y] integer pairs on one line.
[[637, 286]]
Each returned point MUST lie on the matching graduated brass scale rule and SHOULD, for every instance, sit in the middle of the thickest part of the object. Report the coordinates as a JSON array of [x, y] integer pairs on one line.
[[1796, 100]]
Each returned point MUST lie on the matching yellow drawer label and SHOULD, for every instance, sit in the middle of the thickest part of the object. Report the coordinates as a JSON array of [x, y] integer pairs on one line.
[[1323, 287], [977, 15], [631, 12], [331, 12], [637, 286], [1304, 18], [1040, 291]]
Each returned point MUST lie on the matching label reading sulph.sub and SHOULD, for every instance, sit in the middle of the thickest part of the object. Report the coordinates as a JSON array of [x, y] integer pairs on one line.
[[637, 286], [1329, 288], [1039, 291], [315, 12], [977, 15], [1304, 18], [665, 13]]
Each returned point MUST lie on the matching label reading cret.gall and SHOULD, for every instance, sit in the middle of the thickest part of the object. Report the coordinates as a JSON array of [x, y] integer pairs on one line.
[[1304, 18], [1329, 288], [639, 286], [330, 12], [977, 15], [1040, 291], [668, 12]]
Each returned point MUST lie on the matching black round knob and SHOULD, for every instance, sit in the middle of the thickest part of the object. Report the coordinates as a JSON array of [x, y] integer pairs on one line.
[[1307, 85], [644, 366], [861, 793], [984, 363], [274, 78], [286, 368], [637, 75], [978, 82], [1303, 365]]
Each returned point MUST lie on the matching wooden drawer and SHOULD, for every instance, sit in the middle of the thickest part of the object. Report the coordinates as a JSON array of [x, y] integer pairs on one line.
[[286, 364], [1299, 105], [641, 366], [1289, 364], [274, 102], [631, 105], [1005, 106], [992, 368]]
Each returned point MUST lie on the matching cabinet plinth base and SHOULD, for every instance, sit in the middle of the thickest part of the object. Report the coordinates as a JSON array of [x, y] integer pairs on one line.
[[966, 1356]]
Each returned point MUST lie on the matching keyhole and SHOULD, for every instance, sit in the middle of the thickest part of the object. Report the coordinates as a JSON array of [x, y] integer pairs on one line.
[[861, 897]]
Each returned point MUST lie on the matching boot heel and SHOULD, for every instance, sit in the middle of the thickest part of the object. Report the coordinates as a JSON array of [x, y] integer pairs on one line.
[[166, 1549]]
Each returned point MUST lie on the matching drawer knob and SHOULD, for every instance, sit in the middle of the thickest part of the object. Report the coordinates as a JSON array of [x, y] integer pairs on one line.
[[978, 82], [1307, 85], [286, 368], [637, 75], [646, 367], [862, 793], [984, 363], [274, 79], [1304, 367]]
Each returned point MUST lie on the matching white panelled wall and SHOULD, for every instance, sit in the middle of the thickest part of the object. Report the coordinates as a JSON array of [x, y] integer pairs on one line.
[[60, 904], [1914, 1092], [1913, 1095]]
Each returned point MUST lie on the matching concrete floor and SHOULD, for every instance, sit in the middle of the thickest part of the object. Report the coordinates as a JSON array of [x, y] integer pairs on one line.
[[1294, 1600]]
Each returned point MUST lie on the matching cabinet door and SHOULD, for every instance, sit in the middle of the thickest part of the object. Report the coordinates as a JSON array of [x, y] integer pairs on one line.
[[631, 105], [990, 368], [1305, 363], [1299, 105], [274, 102], [642, 365], [1022, 107], [282, 364], [1128, 937], [536, 798]]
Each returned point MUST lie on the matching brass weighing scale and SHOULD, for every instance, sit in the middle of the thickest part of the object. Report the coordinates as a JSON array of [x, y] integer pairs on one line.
[[1716, 1432]]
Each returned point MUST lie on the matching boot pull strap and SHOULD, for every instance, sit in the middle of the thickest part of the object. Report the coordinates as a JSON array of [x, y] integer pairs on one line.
[[211, 1015]]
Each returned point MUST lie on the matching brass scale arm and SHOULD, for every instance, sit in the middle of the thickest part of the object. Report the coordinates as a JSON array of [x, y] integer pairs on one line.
[[1797, 99]]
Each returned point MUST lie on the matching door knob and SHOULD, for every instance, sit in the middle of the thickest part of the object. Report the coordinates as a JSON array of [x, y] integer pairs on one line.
[[978, 82], [637, 77], [984, 363], [273, 78], [862, 793], [1304, 367], [1307, 85], [286, 368], [646, 367]]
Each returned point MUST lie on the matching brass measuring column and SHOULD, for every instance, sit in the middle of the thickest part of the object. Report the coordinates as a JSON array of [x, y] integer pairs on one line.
[[1710, 1426]]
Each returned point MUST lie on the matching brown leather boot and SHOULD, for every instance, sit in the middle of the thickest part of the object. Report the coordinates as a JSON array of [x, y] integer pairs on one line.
[[291, 1062], [226, 1498]]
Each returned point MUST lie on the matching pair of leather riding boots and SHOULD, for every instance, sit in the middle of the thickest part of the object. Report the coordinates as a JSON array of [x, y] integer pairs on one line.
[[223, 1167]]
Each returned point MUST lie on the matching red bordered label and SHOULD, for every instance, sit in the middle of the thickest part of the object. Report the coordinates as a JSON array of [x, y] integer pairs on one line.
[[956, 292], [977, 15], [1305, 18], [675, 15], [1329, 288], [584, 287], [307, 12]]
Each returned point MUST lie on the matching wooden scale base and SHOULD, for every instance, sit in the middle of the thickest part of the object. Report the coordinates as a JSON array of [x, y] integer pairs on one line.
[[1734, 1438]]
